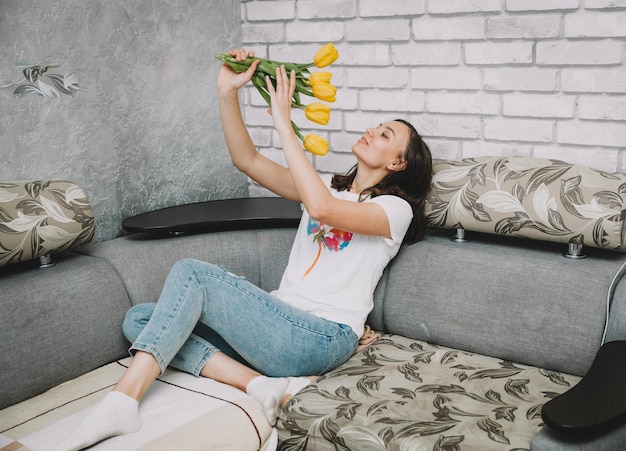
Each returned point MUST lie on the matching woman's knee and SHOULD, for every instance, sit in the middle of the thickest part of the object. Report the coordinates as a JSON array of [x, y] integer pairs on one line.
[[192, 266], [136, 319]]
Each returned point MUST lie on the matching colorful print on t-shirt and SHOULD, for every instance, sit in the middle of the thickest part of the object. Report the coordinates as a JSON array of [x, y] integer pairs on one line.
[[330, 238]]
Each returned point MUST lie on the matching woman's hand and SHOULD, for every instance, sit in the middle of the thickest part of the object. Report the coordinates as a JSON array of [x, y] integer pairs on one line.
[[241, 148], [281, 98], [229, 81], [369, 337]]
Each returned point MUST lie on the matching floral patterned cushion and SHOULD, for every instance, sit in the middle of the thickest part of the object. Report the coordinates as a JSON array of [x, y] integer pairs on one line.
[[42, 217], [405, 394], [530, 197]]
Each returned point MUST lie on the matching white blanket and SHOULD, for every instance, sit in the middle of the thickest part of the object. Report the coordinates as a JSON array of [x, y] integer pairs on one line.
[[179, 411]]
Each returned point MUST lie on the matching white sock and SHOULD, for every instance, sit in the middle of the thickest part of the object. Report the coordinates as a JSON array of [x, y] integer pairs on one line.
[[269, 392], [116, 414], [296, 384]]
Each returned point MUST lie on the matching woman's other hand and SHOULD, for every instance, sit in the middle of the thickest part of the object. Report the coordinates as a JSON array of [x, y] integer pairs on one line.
[[229, 81], [369, 337], [281, 98]]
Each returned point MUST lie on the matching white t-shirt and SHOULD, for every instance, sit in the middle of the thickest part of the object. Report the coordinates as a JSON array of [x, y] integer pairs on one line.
[[333, 273]]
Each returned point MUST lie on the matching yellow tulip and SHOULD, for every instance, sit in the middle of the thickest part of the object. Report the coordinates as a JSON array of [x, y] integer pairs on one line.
[[318, 113], [320, 77], [316, 84], [316, 145], [326, 55], [324, 91]]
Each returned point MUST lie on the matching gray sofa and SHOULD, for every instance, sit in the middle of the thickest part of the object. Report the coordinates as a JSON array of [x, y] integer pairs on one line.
[[476, 334]]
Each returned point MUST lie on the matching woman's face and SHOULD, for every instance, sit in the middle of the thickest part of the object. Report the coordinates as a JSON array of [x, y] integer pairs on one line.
[[383, 146]]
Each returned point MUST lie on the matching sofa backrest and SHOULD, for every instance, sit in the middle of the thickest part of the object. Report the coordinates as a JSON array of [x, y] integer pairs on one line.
[[144, 261], [501, 296], [497, 297], [515, 299]]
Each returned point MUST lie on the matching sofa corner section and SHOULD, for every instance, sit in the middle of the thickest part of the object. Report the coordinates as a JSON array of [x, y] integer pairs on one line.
[[58, 323]]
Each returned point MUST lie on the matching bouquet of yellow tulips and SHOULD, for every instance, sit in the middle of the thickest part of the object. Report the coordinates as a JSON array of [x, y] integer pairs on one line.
[[316, 84]]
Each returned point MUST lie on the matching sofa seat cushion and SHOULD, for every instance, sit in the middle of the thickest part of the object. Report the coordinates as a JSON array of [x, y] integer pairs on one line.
[[401, 394], [179, 411]]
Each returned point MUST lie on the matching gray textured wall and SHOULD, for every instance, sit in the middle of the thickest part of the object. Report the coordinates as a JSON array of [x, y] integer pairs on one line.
[[143, 131]]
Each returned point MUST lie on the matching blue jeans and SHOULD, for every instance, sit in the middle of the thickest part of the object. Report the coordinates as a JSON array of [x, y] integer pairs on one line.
[[273, 337]]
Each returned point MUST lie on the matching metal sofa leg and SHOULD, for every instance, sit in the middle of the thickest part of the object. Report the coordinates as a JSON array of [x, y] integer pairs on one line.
[[45, 261], [459, 236], [574, 251]]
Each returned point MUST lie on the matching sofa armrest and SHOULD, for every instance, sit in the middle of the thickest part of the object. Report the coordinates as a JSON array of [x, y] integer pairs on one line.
[[597, 404], [58, 323]]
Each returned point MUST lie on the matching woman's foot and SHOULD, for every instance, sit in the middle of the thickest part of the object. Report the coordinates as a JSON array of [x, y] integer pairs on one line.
[[269, 391], [295, 385], [116, 414]]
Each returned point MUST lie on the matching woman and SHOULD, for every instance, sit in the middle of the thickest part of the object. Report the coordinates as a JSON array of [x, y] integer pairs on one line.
[[349, 231]]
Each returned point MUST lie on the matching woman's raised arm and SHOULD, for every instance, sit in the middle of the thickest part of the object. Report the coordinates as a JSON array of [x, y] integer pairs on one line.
[[243, 152]]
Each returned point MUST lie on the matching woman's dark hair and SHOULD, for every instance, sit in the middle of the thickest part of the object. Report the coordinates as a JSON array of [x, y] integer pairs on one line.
[[411, 184]]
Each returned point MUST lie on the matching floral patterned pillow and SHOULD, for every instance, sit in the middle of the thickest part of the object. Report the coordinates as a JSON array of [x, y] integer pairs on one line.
[[531, 198], [42, 217]]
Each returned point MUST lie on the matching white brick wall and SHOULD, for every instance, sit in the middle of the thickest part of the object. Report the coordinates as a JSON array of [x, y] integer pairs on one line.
[[543, 78]]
